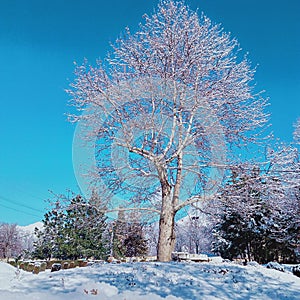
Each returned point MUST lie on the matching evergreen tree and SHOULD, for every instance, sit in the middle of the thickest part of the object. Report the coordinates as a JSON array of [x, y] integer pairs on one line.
[[48, 240], [72, 231], [250, 226], [118, 235], [128, 237], [135, 243]]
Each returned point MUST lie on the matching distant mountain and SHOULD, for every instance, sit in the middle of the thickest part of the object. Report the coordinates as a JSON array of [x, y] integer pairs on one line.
[[30, 228], [27, 235]]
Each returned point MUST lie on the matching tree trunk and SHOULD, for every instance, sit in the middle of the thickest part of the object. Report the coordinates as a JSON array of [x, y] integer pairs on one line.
[[166, 239], [248, 252]]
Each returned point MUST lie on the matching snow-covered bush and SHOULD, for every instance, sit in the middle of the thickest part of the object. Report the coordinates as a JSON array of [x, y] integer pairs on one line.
[[296, 270], [56, 267], [275, 265]]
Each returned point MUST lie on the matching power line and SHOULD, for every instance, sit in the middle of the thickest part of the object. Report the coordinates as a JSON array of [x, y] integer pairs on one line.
[[17, 210], [20, 204], [19, 187]]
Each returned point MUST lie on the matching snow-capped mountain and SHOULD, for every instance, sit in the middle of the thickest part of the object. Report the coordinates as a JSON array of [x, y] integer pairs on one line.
[[31, 227], [28, 230]]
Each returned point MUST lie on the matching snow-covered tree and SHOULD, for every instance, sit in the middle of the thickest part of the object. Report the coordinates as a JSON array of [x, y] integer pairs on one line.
[[72, 230], [194, 233], [84, 228], [284, 165], [118, 235], [10, 241], [297, 131], [161, 111], [135, 242], [259, 211], [151, 235], [128, 236], [49, 239], [28, 238]]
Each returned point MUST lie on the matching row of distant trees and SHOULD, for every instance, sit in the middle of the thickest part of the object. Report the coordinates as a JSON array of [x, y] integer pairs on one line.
[[256, 217], [78, 228], [75, 229]]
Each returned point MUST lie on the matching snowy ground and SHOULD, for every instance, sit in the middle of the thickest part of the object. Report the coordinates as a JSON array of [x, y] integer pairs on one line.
[[150, 281]]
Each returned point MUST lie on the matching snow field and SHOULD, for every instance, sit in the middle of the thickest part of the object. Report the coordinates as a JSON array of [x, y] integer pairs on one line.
[[151, 281]]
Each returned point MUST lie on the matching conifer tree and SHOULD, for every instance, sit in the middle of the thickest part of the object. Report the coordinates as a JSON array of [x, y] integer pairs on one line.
[[71, 231], [253, 223]]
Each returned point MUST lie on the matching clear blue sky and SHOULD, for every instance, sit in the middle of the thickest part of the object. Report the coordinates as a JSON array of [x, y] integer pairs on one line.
[[40, 40]]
